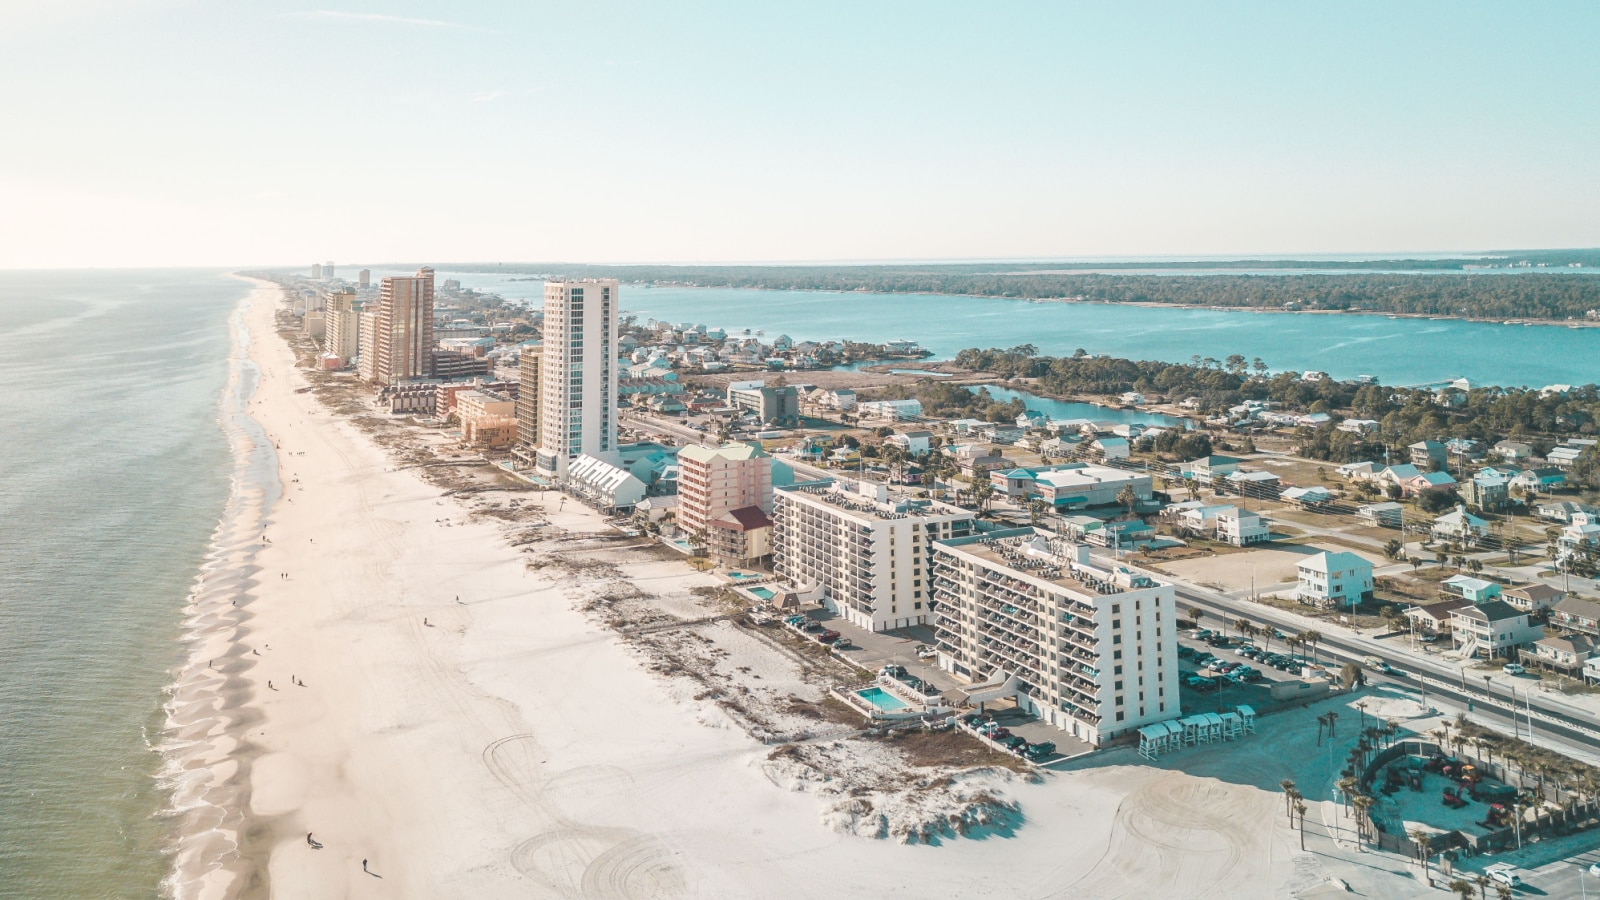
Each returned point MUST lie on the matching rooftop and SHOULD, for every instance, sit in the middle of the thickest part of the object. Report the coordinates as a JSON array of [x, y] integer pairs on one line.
[[1044, 556]]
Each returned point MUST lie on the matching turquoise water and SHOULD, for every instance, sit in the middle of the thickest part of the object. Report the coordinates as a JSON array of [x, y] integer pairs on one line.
[[1062, 409], [745, 576], [881, 699], [1397, 351], [113, 473], [761, 593]]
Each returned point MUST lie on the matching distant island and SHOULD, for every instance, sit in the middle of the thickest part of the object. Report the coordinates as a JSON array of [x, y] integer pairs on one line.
[[1551, 285]]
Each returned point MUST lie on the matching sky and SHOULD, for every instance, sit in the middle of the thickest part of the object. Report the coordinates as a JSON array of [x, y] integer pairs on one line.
[[189, 132]]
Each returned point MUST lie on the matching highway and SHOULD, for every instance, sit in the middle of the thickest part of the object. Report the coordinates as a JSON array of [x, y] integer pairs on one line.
[[1577, 735]]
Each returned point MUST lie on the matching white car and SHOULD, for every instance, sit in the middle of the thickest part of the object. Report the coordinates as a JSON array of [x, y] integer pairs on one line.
[[926, 652], [1513, 669], [1595, 870], [1505, 874]]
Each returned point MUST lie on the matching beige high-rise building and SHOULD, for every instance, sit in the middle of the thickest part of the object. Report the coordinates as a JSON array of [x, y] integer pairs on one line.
[[367, 340], [578, 374], [343, 325], [403, 342], [717, 480]]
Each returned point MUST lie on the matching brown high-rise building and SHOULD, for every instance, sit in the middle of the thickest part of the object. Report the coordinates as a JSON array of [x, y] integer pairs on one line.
[[404, 334]]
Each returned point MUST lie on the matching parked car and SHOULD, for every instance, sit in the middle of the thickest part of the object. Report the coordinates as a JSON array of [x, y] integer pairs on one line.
[[812, 627], [828, 636], [1247, 675], [926, 652], [893, 671], [1014, 743], [1505, 873], [1513, 669], [1044, 749], [999, 734]]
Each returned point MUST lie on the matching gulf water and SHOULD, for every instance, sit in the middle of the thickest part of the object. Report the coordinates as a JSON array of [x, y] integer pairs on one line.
[[1399, 351], [113, 473]]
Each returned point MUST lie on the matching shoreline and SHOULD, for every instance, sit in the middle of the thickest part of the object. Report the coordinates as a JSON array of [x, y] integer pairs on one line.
[[473, 724], [1149, 304], [203, 773]]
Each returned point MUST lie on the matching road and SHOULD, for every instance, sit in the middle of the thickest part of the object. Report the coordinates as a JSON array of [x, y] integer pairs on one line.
[[1575, 734]]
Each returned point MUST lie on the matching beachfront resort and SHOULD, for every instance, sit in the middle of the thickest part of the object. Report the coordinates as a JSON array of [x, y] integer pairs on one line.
[[1031, 594]]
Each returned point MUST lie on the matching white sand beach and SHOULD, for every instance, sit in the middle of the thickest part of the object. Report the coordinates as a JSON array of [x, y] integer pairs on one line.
[[513, 746]]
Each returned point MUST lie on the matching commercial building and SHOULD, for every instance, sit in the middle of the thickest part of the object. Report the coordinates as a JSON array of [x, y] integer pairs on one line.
[[716, 480], [608, 486], [578, 374], [402, 341], [364, 278], [775, 405], [891, 409], [1073, 485], [1093, 649], [1334, 579], [862, 549]]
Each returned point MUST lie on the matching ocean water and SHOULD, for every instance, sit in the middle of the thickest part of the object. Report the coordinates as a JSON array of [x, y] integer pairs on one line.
[[1398, 351], [113, 474]]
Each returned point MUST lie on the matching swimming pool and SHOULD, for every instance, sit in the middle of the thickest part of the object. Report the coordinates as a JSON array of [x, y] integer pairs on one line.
[[761, 593], [745, 576], [881, 699]]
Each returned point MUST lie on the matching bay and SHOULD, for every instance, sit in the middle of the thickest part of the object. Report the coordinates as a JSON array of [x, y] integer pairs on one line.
[[1398, 351]]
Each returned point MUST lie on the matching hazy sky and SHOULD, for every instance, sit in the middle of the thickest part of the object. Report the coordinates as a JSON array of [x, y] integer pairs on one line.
[[153, 132]]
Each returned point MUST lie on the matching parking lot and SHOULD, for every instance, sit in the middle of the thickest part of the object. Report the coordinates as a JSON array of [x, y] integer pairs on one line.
[[1227, 691]]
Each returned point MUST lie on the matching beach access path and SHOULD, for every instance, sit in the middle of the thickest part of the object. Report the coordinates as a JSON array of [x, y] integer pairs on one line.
[[512, 747]]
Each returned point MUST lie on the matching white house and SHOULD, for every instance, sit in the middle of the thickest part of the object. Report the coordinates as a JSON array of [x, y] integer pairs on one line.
[[914, 443], [1460, 525], [1241, 527], [891, 409], [1493, 628], [1111, 447], [1334, 579]]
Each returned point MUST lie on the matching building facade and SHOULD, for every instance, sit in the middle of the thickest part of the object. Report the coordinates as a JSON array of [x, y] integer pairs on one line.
[[529, 399], [1332, 579], [1093, 648], [403, 329], [716, 480], [342, 326], [578, 374], [862, 549]]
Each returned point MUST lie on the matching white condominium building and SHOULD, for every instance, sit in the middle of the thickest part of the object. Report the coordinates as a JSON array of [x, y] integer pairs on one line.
[[343, 330], [578, 374], [1093, 648], [863, 549]]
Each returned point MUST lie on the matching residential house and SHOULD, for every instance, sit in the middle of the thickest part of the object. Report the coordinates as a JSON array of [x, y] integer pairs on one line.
[[1200, 519], [891, 409], [1387, 514], [1460, 525], [1400, 474], [1562, 510], [1261, 485], [1566, 654], [1477, 590], [1591, 670], [1487, 490], [1357, 471], [1493, 629], [1576, 613], [1533, 598], [1111, 447], [1133, 398], [1427, 454], [740, 537], [1434, 618], [1207, 468], [1427, 481], [1542, 480], [1464, 449], [1307, 497], [1358, 426], [1582, 535], [1566, 455], [1331, 579], [1241, 527], [999, 433], [914, 443], [608, 486], [1514, 451]]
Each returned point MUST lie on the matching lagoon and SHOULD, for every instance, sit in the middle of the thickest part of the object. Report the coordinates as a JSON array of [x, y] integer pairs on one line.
[[1399, 351]]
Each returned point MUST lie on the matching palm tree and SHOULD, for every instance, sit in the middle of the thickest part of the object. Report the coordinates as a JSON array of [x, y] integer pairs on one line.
[[1363, 805], [1361, 708], [1423, 840], [1322, 722], [1313, 638], [1394, 549], [1126, 497], [1347, 787], [1288, 790], [1244, 627], [1462, 887], [1195, 615], [1300, 810], [1483, 882], [1502, 891], [1333, 717], [1474, 566]]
